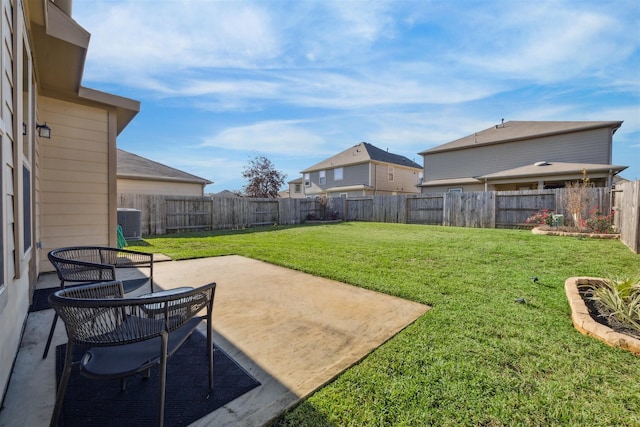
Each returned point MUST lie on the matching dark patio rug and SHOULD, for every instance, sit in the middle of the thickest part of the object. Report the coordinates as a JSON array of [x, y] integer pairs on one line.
[[41, 299], [101, 403]]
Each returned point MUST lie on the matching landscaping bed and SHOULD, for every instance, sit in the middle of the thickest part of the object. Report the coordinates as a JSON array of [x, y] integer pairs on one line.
[[590, 318], [572, 232]]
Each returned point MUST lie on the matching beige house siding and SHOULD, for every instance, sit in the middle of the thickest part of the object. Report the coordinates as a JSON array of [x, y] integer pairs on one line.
[[405, 180], [296, 190], [17, 156], [453, 187], [139, 186], [75, 175], [59, 191], [577, 147]]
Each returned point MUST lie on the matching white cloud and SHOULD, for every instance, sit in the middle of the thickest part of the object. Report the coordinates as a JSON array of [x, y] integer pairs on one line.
[[272, 137], [142, 39]]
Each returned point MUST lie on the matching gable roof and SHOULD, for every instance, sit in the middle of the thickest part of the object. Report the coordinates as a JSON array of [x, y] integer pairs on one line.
[[363, 153], [133, 166], [517, 130]]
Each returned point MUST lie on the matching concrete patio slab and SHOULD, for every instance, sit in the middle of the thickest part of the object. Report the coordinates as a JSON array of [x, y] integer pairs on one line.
[[292, 331]]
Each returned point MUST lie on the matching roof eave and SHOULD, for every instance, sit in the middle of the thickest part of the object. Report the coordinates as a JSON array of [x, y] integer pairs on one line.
[[163, 179], [60, 47], [605, 170]]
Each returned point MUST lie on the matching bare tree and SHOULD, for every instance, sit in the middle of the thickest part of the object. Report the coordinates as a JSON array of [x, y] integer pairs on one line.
[[263, 180], [576, 198]]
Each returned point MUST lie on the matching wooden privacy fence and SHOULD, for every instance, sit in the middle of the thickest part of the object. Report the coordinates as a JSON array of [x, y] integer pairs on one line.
[[627, 209], [491, 209]]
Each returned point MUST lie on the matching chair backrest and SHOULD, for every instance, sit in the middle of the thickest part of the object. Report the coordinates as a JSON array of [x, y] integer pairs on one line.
[[98, 315], [81, 265]]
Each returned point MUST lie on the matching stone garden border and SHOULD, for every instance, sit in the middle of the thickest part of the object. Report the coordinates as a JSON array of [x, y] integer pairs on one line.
[[584, 323], [537, 230]]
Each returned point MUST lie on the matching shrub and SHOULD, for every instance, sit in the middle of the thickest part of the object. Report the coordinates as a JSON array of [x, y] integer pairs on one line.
[[543, 217], [598, 222], [619, 299]]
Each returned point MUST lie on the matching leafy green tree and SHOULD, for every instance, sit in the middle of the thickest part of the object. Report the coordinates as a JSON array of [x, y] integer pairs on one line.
[[263, 180]]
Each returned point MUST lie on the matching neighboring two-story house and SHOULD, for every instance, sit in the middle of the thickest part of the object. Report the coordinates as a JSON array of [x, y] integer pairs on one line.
[[295, 190], [362, 170], [523, 155]]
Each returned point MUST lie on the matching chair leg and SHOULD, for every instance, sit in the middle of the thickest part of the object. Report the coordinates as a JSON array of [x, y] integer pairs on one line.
[[210, 354], [62, 388], [163, 378], [51, 331]]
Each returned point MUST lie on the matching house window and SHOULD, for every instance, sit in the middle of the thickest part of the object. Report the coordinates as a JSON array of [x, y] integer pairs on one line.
[[337, 174], [454, 190], [323, 178], [390, 173], [307, 180], [297, 188]]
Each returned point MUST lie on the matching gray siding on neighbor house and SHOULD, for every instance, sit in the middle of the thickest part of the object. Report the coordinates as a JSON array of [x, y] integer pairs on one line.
[[351, 175], [593, 146]]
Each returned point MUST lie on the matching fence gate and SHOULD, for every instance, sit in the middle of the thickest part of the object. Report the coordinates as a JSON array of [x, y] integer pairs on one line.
[[425, 210], [359, 209], [513, 208], [263, 212], [188, 214]]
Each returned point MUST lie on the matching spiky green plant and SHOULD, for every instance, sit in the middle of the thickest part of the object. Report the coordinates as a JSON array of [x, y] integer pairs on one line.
[[620, 298]]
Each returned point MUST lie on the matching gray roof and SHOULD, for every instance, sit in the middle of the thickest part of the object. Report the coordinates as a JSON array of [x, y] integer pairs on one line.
[[136, 167], [516, 130], [553, 168], [363, 153]]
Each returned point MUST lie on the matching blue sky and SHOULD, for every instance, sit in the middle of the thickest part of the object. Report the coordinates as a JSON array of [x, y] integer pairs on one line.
[[222, 82]]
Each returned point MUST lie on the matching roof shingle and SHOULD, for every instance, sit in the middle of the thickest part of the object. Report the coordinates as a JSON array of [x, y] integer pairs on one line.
[[133, 166], [363, 153], [518, 130]]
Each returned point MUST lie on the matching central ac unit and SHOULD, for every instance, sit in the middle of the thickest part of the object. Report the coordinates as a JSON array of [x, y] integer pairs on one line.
[[131, 222]]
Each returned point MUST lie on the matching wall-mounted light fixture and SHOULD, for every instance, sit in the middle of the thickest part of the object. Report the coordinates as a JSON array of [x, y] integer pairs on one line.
[[24, 128], [44, 131]]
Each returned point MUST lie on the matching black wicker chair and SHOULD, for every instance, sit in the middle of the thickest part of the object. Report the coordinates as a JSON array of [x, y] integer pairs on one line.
[[125, 336], [95, 264]]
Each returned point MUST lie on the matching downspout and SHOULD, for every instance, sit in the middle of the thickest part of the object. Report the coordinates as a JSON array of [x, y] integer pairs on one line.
[[610, 187], [16, 137], [375, 179]]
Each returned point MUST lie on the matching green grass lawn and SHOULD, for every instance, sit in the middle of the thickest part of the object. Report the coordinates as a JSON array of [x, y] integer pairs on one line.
[[477, 357]]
